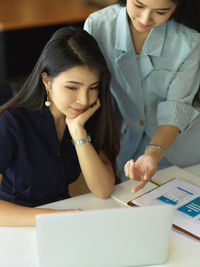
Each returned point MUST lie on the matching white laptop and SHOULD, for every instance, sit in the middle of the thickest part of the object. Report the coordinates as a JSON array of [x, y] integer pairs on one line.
[[113, 237]]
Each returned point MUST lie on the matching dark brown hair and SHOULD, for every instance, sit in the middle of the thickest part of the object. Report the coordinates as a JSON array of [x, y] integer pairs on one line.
[[196, 100]]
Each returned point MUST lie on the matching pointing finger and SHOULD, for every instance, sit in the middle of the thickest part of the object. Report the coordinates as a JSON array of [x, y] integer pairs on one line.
[[140, 185]]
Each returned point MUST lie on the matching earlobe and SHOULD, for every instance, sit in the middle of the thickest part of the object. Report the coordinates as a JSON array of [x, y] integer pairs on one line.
[[45, 79]]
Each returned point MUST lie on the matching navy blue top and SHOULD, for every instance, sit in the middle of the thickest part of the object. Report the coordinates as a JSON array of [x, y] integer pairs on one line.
[[36, 168]]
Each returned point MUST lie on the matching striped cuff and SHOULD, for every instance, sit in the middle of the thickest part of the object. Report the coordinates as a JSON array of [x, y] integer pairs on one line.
[[177, 114]]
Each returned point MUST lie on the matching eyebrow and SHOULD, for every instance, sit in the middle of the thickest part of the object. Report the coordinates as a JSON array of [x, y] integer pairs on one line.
[[154, 8], [82, 83]]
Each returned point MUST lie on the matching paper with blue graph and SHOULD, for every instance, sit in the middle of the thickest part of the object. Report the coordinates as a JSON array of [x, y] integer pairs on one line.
[[186, 199]]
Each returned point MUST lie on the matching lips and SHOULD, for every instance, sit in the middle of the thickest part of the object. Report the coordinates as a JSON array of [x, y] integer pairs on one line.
[[78, 110], [143, 26]]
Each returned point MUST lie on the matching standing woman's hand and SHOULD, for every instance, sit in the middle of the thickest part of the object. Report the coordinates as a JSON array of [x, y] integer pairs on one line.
[[146, 165], [141, 170]]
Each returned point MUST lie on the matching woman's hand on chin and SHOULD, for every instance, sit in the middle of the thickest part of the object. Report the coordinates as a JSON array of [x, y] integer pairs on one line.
[[76, 124]]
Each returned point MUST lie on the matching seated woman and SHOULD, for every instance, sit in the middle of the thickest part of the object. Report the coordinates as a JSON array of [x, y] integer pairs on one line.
[[59, 125]]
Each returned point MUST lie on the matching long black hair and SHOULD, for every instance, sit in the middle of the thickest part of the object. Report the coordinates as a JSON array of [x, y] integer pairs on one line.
[[196, 100], [187, 12], [69, 47]]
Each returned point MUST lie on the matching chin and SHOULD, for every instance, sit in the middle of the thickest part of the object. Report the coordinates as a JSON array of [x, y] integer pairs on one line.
[[71, 116]]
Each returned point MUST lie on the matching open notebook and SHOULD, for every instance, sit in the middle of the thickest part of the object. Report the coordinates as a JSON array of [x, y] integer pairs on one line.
[[112, 237]]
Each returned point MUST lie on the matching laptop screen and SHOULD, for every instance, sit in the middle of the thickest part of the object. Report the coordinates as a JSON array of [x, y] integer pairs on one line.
[[111, 237]]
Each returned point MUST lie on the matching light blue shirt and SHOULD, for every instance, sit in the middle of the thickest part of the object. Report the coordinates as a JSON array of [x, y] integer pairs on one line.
[[153, 88]]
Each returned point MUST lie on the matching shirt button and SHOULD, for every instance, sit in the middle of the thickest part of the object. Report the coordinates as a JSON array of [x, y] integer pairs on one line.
[[58, 154], [141, 122]]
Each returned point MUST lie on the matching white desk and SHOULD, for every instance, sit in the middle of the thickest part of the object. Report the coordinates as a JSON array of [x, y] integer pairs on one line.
[[18, 245], [195, 169]]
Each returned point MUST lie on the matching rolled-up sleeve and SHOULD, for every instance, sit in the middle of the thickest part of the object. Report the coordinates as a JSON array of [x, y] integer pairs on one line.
[[177, 110]]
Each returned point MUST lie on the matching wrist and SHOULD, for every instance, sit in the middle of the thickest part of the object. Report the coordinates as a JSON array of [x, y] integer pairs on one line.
[[78, 134], [156, 151], [154, 146]]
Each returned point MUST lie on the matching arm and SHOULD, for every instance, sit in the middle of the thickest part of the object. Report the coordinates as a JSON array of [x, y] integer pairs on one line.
[[174, 114], [164, 136], [16, 215], [96, 169], [145, 166], [12, 214], [78, 187]]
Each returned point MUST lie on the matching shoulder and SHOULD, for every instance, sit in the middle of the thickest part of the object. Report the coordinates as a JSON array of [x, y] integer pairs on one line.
[[7, 117], [110, 12], [9, 126], [184, 37], [106, 26], [103, 19], [16, 118]]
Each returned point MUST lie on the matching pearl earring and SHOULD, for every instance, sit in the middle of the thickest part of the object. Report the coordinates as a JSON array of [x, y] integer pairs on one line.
[[47, 102]]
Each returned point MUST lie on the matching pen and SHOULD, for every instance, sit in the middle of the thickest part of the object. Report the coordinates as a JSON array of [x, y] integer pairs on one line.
[[155, 182]]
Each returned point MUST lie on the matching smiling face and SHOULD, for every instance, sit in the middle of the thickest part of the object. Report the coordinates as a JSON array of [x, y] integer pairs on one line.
[[148, 14], [71, 92]]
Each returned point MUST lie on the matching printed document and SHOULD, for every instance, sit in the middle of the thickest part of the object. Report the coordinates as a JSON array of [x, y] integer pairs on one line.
[[184, 196]]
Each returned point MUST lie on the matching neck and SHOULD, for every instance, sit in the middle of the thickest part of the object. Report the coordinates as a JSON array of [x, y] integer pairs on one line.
[[138, 38], [59, 121], [57, 114]]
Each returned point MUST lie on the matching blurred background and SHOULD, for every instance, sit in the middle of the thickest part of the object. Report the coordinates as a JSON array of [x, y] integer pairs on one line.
[[26, 26]]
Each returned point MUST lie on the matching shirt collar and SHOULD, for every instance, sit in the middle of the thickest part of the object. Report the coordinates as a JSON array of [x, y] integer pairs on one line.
[[154, 43], [123, 36]]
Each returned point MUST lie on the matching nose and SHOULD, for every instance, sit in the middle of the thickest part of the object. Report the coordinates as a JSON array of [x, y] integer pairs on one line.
[[145, 18], [83, 98]]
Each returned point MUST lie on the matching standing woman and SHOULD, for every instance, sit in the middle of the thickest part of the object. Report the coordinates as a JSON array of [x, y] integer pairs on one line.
[[152, 48], [59, 125]]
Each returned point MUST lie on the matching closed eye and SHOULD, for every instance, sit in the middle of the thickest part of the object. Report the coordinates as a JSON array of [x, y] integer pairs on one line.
[[71, 88], [95, 87], [161, 13], [138, 6]]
